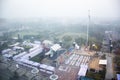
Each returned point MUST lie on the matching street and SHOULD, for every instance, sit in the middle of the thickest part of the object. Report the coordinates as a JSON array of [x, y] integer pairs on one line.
[[109, 68]]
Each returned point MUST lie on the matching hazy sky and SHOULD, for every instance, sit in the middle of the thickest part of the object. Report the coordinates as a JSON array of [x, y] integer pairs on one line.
[[58, 8]]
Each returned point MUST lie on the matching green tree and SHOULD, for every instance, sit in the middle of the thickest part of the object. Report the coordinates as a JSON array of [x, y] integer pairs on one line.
[[67, 38], [67, 41], [3, 46], [80, 40]]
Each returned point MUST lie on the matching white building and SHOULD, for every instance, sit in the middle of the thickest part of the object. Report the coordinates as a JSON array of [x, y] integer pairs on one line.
[[47, 43], [6, 51], [54, 48]]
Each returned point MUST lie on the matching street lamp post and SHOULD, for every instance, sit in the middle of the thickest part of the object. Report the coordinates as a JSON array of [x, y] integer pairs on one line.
[[111, 47], [94, 48]]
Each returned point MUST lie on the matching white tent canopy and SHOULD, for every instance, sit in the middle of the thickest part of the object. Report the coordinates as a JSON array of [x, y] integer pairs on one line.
[[103, 62], [77, 47], [83, 70], [118, 76], [55, 47]]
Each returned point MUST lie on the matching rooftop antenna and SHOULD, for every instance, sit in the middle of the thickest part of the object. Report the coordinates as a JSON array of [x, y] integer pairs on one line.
[[88, 27]]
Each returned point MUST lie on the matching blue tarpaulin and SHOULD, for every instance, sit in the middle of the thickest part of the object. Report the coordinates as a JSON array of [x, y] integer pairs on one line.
[[70, 49], [118, 76]]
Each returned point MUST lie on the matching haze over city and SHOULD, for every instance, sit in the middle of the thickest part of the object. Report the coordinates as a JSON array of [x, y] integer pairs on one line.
[[59, 40], [59, 8]]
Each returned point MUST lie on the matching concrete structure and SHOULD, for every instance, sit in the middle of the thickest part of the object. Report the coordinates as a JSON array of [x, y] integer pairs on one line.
[[54, 77]]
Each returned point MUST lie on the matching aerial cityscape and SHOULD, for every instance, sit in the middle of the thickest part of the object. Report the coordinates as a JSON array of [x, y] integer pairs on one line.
[[59, 40]]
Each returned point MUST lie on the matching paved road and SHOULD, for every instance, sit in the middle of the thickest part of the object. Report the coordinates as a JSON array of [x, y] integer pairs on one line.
[[109, 73]]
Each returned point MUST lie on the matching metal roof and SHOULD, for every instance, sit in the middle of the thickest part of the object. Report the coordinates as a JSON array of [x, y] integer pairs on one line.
[[55, 47]]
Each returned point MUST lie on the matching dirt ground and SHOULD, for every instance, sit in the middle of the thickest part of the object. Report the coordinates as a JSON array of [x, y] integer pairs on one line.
[[83, 52], [94, 64]]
